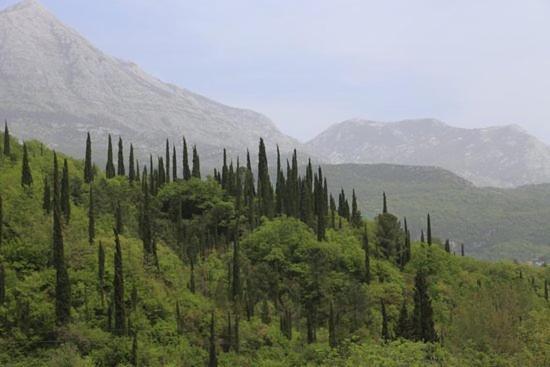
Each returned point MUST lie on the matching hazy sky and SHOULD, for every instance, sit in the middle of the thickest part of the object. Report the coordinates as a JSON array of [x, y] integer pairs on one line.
[[308, 64]]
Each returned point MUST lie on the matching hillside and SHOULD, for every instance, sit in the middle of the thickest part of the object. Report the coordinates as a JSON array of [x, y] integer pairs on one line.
[[493, 223], [498, 156], [267, 294], [52, 80]]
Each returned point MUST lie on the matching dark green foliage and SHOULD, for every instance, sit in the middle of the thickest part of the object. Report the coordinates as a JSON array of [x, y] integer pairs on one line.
[[265, 189], [179, 321], [1, 220], [88, 166], [546, 290], [119, 222], [332, 339], [279, 187], [47, 196], [91, 217], [367, 278], [26, 175], [356, 219], [390, 236], [121, 171], [213, 358], [462, 249], [118, 289], [384, 204], [2, 284], [403, 329], [62, 283], [110, 167], [196, 164], [429, 230], [132, 175], [185, 160], [422, 321], [65, 193], [7, 146], [236, 283], [448, 246], [134, 352], [385, 331], [167, 157], [101, 270], [174, 164]]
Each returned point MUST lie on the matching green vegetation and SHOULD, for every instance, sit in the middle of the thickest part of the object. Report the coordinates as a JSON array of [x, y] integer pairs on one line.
[[158, 271], [493, 223]]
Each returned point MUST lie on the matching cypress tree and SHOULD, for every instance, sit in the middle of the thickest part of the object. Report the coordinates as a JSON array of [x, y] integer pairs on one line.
[[146, 228], [236, 288], [1, 220], [423, 325], [265, 189], [138, 173], [110, 167], [131, 166], [249, 192], [196, 164], [91, 217], [121, 171], [119, 224], [265, 315], [161, 173], [385, 205], [403, 328], [385, 331], [7, 147], [279, 187], [174, 164], [26, 175], [118, 286], [225, 170], [213, 358], [134, 352], [88, 167], [368, 277], [236, 336], [65, 193], [461, 249], [448, 246], [429, 230], [46, 196], [356, 219], [179, 328], [62, 284], [332, 212], [167, 155], [546, 290], [101, 270], [185, 160], [2, 285], [332, 340], [422, 236]]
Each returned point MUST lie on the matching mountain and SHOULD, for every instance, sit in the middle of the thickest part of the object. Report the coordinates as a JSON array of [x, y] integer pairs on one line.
[[55, 85], [497, 156], [493, 223]]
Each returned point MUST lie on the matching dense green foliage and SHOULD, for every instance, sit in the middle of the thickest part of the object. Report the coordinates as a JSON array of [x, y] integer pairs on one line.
[[198, 278]]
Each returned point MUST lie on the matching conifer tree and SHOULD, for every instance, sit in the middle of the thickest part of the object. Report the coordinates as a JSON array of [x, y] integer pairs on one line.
[[423, 324], [185, 160], [88, 167], [132, 176], [429, 230], [138, 173], [356, 219], [118, 287], [448, 246], [167, 156], [121, 171], [385, 204], [110, 167], [236, 335], [422, 239], [265, 189], [461, 249], [91, 217], [332, 340], [161, 179], [2, 284], [101, 270], [385, 330], [174, 164], [179, 326], [7, 146], [146, 228], [65, 193], [403, 324], [236, 273], [26, 175], [134, 352], [367, 256], [1, 220], [196, 164], [279, 187], [546, 290], [213, 358], [62, 283], [249, 192], [225, 170], [46, 196]]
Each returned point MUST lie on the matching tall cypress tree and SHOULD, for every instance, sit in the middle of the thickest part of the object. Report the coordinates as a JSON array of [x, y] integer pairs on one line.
[[368, 277], [403, 324], [462, 249], [185, 160], [167, 165], [62, 283], [423, 324], [546, 290], [213, 358], [174, 164], [26, 175], [236, 273], [196, 164], [146, 227], [131, 166], [88, 167], [429, 230], [91, 217], [46, 196], [118, 286], [101, 270], [280, 191], [356, 219], [121, 171], [448, 246], [2, 284], [119, 223], [385, 330], [134, 352], [65, 193], [225, 170], [110, 167], [265, 189], [249, 192], [1, 220], [332, 339], [7, 146], [385, 205]]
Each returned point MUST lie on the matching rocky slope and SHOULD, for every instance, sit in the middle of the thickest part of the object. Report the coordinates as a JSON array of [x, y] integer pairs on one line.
[[499, 156]]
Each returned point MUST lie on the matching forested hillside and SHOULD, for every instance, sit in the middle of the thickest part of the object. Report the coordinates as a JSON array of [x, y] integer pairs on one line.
[[160, 264]]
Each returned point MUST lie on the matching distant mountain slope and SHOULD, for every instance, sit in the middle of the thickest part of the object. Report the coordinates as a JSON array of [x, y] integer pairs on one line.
[[55, 85], [498, 156], [493, 223]]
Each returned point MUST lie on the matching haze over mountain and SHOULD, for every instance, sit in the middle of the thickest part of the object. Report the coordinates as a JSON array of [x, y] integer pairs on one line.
[[496, 156], [55, 86]]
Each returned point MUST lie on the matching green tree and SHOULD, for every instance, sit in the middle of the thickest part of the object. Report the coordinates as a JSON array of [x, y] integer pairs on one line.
[[88, 165], [91, 217], [118, 287], [196, 164], [174, 164], [167, 156], [1, 220], [429, 230], [403, 328], [26, 175], [121, 170], [385, 204], [423, 324], [134, 352], [265, 189], [389, 235], [2, 285], [385, 330], [119, 222], [110, 167], [46, 196], [368, 276], [65, 193], [7, 146], [132, 176], [332, 339], [101, 270], [213, 358], [356, 219], [185, 160]]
